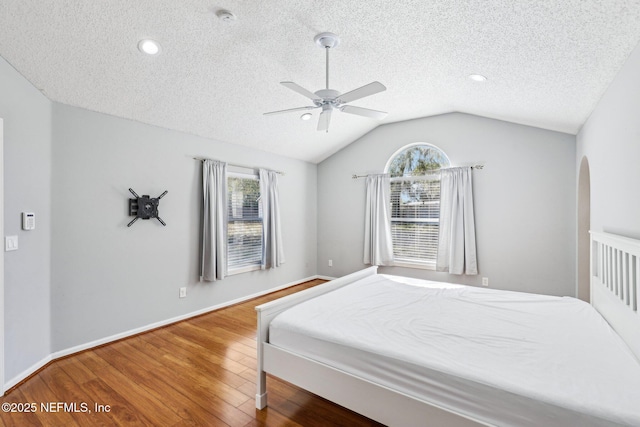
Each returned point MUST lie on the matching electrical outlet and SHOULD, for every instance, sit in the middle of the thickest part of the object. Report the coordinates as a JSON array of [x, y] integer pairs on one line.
[[330, 263], [183, 292], [485, 281]]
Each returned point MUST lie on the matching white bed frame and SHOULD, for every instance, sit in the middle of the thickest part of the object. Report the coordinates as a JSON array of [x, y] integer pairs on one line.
[[615, 271], [615, 284]]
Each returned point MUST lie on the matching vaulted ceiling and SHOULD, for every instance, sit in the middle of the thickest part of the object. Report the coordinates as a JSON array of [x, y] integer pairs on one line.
[[547, 62]]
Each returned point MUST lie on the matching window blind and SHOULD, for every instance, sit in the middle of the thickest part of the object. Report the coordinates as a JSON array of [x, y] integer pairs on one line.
[[415, 218], [244, 228]]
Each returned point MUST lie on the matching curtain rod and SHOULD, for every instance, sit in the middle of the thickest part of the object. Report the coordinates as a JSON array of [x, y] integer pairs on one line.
[[239, 166], [354, 176]]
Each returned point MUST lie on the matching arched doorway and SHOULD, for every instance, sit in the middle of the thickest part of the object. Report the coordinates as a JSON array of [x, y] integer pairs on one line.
[[1, 260], [584, 224]]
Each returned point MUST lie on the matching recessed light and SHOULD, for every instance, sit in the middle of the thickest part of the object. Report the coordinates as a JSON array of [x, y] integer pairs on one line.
[[150, 47], [306, 116], [478, 78]]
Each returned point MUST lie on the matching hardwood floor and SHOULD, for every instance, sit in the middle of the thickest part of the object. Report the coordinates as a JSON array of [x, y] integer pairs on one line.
[[198, 372]]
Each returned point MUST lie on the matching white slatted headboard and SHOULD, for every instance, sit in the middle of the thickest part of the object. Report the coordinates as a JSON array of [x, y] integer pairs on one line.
[[615, 283]]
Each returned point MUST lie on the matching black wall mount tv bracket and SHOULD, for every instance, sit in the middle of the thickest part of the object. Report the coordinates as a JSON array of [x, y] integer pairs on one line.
[[144, 207]]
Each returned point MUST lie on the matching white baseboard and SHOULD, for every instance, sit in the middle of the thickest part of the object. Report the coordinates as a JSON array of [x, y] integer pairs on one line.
[[76, 349], [27, 373]]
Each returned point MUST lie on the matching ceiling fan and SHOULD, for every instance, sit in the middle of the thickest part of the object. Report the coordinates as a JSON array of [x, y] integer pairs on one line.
[[330, 99]]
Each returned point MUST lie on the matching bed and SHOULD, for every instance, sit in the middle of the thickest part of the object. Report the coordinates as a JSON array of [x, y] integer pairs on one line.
[[414, 352]]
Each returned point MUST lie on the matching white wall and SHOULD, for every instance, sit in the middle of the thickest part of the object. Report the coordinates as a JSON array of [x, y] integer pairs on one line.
[[107, 278], [611, 141], [524, 199], [27, 174]]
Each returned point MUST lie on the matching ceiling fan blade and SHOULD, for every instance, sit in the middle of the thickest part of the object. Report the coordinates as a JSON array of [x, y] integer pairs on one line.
[[302, 91], [361, 92], [325, 118], [366, 112], [290, 110]]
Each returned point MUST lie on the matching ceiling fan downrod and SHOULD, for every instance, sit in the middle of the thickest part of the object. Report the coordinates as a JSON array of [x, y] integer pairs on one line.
[[327, 41], [327, 50]]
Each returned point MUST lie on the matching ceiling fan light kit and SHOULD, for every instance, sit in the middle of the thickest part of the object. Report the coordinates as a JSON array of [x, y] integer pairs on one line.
[[328, 99]]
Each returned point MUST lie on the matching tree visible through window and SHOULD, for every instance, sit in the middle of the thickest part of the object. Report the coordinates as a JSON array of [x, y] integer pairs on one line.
[[415, 203]]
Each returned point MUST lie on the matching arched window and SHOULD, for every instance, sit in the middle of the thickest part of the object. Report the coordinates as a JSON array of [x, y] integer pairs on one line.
[[415, 203]]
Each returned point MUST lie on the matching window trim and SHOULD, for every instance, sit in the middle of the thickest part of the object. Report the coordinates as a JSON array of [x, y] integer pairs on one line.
[[424, 265], [246, 268], [427, 265]]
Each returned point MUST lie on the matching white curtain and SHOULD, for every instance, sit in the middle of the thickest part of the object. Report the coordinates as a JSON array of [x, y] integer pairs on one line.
[[272, 250], [378, 247], [457, 237], [214, 224]]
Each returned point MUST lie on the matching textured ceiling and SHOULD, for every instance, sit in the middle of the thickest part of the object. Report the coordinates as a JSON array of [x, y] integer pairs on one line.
[[548, 62]]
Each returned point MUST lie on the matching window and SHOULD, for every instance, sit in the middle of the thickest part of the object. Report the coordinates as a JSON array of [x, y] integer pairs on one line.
[[244, 227], [415, 203]]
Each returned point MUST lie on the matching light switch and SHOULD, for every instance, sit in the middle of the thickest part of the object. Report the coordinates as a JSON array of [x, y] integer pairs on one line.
[[11, 243]]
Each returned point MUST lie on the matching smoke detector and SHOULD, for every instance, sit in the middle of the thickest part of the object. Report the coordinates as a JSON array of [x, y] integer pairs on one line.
[[226, 16]]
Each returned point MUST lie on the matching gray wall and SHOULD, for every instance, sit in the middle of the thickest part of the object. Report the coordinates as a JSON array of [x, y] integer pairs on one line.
[[103, 284], [610, 140], [524, 200], [107, 278], [82, 275], [27, 174]]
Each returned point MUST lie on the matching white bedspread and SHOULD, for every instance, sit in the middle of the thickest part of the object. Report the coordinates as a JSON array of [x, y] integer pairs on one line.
[[505, 358]]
